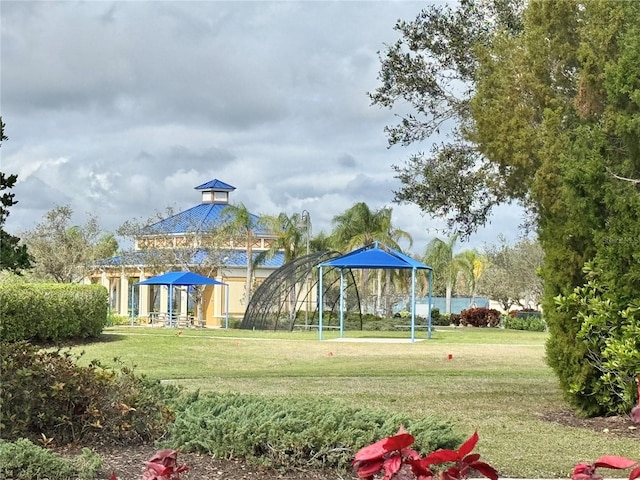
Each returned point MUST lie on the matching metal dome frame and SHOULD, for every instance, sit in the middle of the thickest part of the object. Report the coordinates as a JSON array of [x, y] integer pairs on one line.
[[277, 302]]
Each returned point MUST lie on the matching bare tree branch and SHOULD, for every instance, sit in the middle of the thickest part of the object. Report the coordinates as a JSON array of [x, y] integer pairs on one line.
[[635, 181]]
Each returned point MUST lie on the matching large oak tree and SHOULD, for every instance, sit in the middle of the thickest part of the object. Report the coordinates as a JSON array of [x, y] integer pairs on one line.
[[540, 104]]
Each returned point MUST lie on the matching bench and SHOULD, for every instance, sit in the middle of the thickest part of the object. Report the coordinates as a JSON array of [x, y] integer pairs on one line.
[[158, 319], [315, 327], [184, 321]]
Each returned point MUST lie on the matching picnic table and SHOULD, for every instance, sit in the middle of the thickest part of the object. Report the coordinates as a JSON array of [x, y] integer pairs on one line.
[[173, 319]]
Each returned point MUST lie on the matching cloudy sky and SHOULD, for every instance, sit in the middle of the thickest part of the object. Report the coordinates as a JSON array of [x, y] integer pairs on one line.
[[121, 108]]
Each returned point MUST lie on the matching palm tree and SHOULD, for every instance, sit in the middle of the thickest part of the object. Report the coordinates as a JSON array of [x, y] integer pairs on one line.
[[321, 243], [446, 266], [356, 227], [291, 238], [391, 237], [239, 223], [360, 226], [472, 266]]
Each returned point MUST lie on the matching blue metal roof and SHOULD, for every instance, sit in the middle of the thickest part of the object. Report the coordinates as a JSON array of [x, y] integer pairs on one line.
[[372, 256], [229, 258], [180, 278], [202, 218], [216, 185]]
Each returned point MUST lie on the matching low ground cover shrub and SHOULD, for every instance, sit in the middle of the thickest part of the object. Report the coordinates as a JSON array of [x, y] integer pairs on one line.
[[235, 322], [23, 460], [480, 317], [285, 433], [529, 323], [402, 324], [375, 324], [117, 320], [45, 394], [525, 312], [440, 319]]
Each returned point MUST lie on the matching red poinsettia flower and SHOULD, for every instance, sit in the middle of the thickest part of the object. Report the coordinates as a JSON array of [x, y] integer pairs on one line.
[[164, 466], [386, 454], [587, 471], [421, 472], [463, 461]]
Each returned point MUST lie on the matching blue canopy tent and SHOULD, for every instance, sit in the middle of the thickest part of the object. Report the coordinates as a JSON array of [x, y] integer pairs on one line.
[[375, 256], [171, 279]]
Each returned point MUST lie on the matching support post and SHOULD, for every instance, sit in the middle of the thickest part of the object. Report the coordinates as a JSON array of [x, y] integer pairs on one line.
[[320, 304], [341, 302], [429, 306], [413, 305]]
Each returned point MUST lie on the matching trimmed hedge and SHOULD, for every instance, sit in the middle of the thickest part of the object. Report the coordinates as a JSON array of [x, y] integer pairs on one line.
[[50, 312], [532, 324]]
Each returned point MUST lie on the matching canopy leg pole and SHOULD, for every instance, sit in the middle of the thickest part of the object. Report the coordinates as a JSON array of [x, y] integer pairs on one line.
[[430, 276], [320, 304], [341, 303]]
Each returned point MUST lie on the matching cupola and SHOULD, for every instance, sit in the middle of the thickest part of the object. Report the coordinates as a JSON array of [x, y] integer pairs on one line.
[[215, 191]]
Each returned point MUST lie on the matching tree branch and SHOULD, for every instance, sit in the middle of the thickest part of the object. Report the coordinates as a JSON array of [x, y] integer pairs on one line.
[[635, 181]]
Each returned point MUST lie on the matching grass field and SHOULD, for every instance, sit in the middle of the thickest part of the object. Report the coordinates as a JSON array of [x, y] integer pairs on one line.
[[496, 382]]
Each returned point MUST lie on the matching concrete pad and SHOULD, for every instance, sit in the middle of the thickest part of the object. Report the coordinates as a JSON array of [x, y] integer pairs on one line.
[[374, 340]]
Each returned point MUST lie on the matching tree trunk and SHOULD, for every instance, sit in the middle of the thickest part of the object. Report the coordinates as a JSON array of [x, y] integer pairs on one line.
[[293, 300], [379, 293], [387, 294], [247, 287], [364, 294]]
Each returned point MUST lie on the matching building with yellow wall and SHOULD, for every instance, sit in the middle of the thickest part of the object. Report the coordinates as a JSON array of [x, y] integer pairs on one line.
[[189, 240]]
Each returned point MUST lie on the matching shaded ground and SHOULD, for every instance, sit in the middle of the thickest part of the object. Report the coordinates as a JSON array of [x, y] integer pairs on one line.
[[128, 462], [620, 426]]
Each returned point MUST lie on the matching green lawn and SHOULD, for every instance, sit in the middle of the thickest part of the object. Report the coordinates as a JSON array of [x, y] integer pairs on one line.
[[496, 382]]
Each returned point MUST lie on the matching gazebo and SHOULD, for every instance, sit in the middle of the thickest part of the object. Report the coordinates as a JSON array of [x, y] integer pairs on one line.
[[374, 256], [170, 279]]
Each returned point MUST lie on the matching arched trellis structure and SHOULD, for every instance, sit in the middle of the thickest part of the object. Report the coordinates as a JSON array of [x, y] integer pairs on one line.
[[289, 296]]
